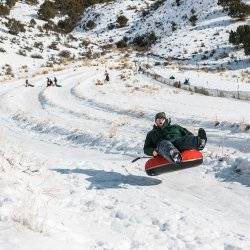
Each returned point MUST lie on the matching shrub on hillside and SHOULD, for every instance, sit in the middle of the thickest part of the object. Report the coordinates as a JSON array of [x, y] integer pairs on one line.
[[73, 9], [90, 25], [32, 2], [193, 19], [239, 10], [193, 11], [121, 44], [32, 23], [235, 8], [28, 48], [111, 26], [50, 25], [53, 46], [226, 3], [2, 50], [178, 2], [47, 10], [241, 36], [247, 47], [8, 70], [37, 56], [65, 25], [15, 26], [122, 21], [144, 12], [173, 26], [89, 54], [11, 3], [64, 54], [153, 7], [22, 52], [4, 10], [84, 43], [184, 17], [38, 45], [223, 2], [157, 4], [145, 41]]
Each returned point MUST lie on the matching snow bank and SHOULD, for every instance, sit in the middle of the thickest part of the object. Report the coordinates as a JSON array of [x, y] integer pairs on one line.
[[216, 92], [59, 177], [242, 165]]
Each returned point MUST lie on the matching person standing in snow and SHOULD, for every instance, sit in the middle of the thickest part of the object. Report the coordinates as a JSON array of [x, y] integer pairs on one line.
[[107, 76], [51, 82], [169, 140], [55, 81]]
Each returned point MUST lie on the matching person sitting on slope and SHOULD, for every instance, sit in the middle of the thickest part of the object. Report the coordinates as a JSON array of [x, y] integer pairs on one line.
[[169, 140], [27, 84]]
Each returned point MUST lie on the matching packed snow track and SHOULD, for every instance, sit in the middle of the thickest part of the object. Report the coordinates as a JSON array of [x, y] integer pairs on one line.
[[67, 181]]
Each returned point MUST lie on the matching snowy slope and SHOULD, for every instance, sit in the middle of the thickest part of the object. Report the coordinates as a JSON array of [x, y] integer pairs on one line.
[[66, 177], [67, 181], [36, 47], [203, 45], [206, 43], [105, 14]]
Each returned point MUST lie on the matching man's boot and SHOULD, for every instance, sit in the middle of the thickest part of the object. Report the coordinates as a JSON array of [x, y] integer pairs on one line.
[[202, 138]]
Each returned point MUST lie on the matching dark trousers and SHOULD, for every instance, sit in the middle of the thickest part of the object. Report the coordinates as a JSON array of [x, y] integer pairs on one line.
[[186, 142], [167, 148]]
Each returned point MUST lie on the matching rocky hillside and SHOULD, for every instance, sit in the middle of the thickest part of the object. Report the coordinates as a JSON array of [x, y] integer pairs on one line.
[[44, 33], [196, 32]]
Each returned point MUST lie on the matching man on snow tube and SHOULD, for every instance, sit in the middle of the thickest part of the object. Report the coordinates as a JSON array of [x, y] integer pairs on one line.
[[169, 140]]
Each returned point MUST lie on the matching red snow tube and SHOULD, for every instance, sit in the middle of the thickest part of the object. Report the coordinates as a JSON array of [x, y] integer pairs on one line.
[[159, 165]]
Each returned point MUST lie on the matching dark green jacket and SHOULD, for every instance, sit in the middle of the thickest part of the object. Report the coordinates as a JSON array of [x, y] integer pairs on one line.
[[167, 132]]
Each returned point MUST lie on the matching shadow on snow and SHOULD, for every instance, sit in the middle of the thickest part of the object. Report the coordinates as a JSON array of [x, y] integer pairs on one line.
[[100, 179], [227, 171], [230, 175]]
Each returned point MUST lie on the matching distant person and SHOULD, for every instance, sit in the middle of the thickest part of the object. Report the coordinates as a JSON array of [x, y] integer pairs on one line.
[[107, 76], [169, 140], [140, 69], [186, 82], [27, 84], [55, 83], [51, 82], [48, 82]]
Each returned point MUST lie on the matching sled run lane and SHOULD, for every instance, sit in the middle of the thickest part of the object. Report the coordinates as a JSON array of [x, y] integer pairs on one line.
[[67, 181]]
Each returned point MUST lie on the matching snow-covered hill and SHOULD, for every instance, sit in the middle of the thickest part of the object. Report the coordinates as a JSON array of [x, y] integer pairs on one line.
[[66, 177], [24, 53], [204, 44]]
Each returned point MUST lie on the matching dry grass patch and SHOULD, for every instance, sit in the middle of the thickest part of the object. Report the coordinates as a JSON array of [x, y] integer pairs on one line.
[[99, 82], [59, 68]]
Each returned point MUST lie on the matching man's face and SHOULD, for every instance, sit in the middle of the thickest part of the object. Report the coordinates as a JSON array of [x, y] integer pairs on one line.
[[160, 122]]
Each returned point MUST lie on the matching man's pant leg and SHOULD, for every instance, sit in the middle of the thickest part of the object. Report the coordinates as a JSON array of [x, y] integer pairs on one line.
[[187, 142], [167, 150]]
